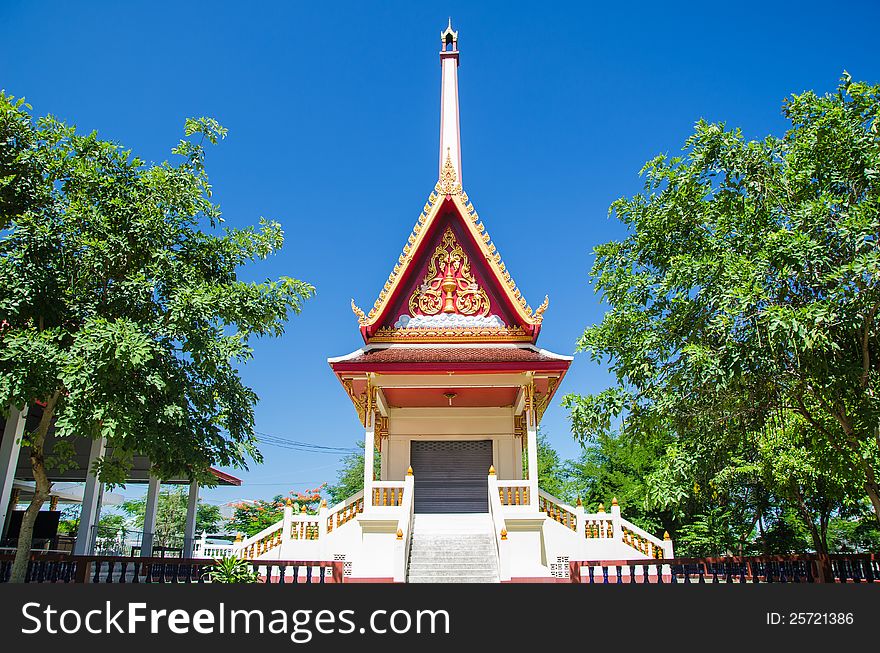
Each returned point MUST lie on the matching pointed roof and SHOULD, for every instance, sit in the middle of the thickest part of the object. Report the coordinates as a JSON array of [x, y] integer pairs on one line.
[[450, 204], [450, 284]]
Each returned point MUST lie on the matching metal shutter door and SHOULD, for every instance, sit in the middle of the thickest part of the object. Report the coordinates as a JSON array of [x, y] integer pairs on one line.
[[451, 475]]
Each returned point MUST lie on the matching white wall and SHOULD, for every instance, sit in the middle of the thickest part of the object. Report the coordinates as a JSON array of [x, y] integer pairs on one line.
[[408, 424]]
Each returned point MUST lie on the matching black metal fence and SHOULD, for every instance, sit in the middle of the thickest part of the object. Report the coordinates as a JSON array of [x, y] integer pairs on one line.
[[843, 568], [128, 569]]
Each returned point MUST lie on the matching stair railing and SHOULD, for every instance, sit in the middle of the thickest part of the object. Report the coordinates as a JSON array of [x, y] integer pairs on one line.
[[499, 525], [403, 543]]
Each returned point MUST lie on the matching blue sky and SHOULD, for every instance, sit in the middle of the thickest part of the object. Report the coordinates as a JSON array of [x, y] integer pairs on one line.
[[333, 117]]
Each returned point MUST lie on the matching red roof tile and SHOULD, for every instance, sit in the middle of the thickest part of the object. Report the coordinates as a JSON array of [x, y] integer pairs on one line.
[[452, 355]]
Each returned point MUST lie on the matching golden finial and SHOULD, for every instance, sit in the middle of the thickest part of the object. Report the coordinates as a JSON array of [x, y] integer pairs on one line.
[[666, 535], [538, 315], [362, 319], [289, 503], [302, 509], [323, 503], [399, 534], [579, 503], [614, 501], [409, 471], [601, 507], [448, 183], [491, 470], [238, 538], [503, 533]]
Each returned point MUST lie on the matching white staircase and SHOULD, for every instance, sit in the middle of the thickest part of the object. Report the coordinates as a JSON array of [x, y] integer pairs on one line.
[[458, 548]]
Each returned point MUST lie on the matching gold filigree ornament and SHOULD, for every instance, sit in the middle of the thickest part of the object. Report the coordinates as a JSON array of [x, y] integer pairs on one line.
[[448, 184], [538, 315], [449, 285], [362, 319]]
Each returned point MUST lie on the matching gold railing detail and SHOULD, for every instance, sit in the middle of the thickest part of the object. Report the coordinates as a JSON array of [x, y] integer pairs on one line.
[[557, 513], [304, 530], [641, 544], [598, 528], [387, 496], [261, 546], [345, 514], [513, 495]]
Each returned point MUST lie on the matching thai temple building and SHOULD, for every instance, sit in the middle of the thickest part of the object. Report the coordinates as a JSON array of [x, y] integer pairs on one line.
[[450, 386]]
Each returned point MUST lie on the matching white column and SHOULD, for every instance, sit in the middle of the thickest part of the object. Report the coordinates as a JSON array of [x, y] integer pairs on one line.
[[384, 446], [9, 451], [189, 531], [150, 517], [91, 507], [369, 435], [450, 138], [532, 435], [517, 457]]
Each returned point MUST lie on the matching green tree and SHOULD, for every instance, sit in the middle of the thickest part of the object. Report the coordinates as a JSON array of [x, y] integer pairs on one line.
[[617, 466], [171, 516], [551, 469], [251, 517], [350, 477], [122, 307], [743, 305]]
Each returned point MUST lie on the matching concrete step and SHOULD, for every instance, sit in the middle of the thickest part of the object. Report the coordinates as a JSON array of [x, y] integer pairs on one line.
[[452, 545], [452, 549], [458, 579], [420, 567]]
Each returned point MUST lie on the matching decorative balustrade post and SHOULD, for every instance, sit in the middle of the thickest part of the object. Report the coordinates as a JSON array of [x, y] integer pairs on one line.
[[667, 546], [286, 523], [617, 525], [580, 529], [322, 519]]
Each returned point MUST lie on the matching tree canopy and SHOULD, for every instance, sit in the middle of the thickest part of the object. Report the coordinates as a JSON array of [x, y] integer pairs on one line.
[[742, 315], [121, 306]]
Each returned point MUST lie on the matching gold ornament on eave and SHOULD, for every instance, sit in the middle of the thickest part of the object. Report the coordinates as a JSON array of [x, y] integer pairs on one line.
[[448, 184], [362, 319]]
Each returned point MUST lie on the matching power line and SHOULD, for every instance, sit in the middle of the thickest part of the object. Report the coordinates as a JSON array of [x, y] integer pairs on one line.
[[296, 445]]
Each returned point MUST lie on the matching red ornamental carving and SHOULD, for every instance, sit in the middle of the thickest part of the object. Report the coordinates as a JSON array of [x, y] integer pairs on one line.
[[449, 285]]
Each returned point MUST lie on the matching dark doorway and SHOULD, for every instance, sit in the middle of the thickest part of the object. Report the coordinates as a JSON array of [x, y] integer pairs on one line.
[[451, 475]]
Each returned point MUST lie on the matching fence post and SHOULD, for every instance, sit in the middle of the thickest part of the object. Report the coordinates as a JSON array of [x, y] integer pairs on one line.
[[83, 570], [574, 572]]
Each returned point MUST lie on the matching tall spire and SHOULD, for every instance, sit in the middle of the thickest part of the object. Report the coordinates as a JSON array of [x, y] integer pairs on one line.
[[450, 138]]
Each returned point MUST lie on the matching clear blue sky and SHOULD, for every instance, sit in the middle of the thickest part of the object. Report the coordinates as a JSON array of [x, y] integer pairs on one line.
[[333, 117]]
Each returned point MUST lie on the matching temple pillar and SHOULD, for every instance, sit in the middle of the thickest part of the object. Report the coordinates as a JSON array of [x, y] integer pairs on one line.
[[369, 444], [532, 446], [517, 458], [10, 448], [189, 531], [152, 507], [91, 506]]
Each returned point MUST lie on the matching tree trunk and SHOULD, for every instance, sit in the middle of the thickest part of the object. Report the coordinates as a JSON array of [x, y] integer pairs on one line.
[[872, 489], [825, 574], [42, 486]]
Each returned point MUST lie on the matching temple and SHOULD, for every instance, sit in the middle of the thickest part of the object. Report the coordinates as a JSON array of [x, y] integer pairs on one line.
[[450, 387]]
